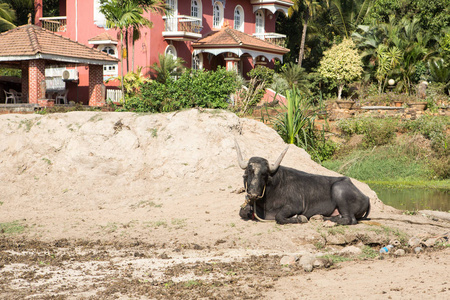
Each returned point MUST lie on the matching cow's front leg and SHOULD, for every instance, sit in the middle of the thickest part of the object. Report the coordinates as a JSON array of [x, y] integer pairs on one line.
[[246, 212], [286, 216]]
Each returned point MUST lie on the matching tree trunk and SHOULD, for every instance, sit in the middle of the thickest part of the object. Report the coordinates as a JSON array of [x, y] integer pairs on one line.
[[121, 65], [302, 44], [126, 48], [132, 49], [340, 88]]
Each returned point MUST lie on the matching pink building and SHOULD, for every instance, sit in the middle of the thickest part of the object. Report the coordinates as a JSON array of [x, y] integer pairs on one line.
[[205, 33]]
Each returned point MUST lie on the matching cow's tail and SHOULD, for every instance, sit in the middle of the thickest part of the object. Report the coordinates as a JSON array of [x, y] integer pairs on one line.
[[365, 216]]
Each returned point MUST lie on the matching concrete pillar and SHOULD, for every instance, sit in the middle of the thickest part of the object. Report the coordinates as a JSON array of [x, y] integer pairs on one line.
[[232, 62], [36, 77], [95, 85]]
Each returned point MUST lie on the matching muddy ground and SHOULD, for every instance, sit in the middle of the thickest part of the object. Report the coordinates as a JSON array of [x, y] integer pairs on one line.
[[132, 206]]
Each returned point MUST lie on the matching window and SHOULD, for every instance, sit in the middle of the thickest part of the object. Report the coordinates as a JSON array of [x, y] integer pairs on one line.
[[171, 21], [239, 18], [110, 71], [196, 11], [259, 21], [170, 50], [197, 62], [217, 14]]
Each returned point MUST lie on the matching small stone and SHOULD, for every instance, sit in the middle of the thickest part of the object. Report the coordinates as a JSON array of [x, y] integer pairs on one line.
[[308, 267], [414, 242], [395, 243], [316, 218], [318, 263], [399, 252], [417, 250], [306, 261], [430, 242], [350, 251], [302, 219], [328, 223], [288, 260]]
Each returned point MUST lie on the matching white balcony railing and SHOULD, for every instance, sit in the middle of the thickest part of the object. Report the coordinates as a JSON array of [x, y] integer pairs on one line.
[[186, 26], [55, 24], [275, 38]]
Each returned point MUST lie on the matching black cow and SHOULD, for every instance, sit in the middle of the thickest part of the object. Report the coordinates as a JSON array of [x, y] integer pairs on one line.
[[287, 195]]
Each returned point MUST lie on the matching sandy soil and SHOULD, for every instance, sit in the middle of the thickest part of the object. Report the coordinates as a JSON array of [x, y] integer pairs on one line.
[[132, 206]]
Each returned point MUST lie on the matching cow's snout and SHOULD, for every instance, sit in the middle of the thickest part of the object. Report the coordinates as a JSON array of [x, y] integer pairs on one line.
[[253, 196]]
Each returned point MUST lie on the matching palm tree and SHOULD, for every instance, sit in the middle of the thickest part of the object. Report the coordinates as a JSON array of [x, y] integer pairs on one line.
[[348, 14], [311, 7], [7, 17], [122, 14], [168, 66]]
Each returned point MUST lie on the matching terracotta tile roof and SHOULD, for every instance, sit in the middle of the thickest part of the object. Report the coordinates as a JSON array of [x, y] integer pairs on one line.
[[229, 37], [33, 42], [104, 36]]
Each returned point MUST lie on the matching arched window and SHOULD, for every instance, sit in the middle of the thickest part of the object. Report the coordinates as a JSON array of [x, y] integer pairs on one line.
[[259, 21], [196, 11], [197, 62], [218, 14], [171, 50], [239, 18]]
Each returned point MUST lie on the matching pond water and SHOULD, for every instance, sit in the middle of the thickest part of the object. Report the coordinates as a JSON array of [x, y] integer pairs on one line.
[[413, 198]]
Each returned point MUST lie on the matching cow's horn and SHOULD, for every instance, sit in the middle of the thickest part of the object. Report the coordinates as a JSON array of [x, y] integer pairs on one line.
[[274, 167], [241, 161]]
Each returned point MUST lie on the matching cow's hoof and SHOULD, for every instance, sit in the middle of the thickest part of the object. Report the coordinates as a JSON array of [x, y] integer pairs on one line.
[[302, 219]]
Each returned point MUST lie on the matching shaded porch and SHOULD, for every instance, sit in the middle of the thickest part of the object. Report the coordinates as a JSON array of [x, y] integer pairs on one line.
[[37, 52]]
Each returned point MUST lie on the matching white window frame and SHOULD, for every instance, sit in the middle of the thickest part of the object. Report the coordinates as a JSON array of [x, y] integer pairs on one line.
[[259, 21], [197, 4], [172, 16], [217, 14], [239, 14], [171, 50], [110, 71], [197, 62]]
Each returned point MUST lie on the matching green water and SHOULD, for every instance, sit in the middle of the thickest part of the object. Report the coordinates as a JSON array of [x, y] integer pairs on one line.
[[413, 198]]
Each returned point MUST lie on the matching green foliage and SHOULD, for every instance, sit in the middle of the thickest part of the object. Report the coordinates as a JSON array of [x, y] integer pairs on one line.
[[262, 74], [11, 228], [10, 72], [168, 66], [207, 89], [387, 163], [296, 126], [7, 17], [376, 132], [341, 64], [132, 81]]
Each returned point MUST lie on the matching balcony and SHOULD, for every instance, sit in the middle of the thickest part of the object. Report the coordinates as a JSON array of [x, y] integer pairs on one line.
[[182, 28], [272, 37], [55, 24]]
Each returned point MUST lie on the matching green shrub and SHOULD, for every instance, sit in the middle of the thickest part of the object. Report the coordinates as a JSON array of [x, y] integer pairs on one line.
[[376, 131], [262, 74], [206, 89]]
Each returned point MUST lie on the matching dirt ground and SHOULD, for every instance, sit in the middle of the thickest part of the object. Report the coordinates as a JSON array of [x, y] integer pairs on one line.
[[135, 206]]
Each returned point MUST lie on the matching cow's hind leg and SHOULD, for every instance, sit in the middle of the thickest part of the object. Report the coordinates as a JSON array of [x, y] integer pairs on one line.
[[343, 220], [285, 216]]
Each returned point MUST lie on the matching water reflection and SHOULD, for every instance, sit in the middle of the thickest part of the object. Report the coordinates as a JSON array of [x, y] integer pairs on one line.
[[413, 198]]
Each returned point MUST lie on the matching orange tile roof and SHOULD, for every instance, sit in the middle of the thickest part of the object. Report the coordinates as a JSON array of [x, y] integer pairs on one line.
[[32, 42], [104, 36], [229, 37]]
